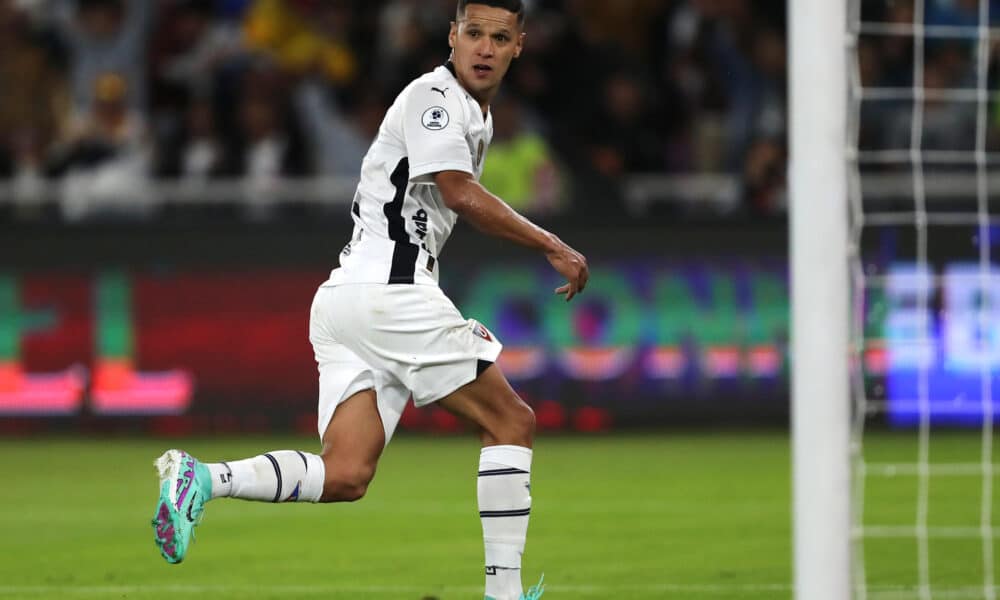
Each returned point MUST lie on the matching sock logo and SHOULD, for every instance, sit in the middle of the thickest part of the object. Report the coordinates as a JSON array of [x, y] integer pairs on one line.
[[491, 570], [295, 493]]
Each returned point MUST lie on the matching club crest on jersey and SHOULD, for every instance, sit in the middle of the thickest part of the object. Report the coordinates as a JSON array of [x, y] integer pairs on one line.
[[481, 331], [435, 118]]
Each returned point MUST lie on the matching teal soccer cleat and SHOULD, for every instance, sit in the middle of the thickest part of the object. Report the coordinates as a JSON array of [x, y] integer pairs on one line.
[[185, 486], [533, 593]]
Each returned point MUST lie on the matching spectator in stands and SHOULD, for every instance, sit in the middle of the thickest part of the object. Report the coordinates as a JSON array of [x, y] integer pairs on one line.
[[713, 98], [960, 13], [410, 34], [187, 51], [267, 142], [105, 155], [626, 131], [874, 115], [520, 167], [770, 62], [947, 125], [400, 30], [756, 89], [681, 55], [338, 136], [764, 183], [614, 23], [106, 36], [196, 152], [264, 144], [895, 51], [34, 102], [110, 129], [304, 36]]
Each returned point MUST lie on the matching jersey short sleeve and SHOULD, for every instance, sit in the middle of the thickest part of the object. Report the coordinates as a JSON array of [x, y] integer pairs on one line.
[[435, 125]]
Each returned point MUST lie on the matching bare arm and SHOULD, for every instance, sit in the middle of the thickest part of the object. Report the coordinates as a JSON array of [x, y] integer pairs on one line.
[[491, 215]]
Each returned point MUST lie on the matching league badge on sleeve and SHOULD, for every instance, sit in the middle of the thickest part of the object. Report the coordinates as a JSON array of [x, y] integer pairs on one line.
[[435, 118]]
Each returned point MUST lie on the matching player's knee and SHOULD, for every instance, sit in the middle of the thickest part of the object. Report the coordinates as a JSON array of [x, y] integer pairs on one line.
[[347, 484], [352, 492], [516, 424], [524, 420]]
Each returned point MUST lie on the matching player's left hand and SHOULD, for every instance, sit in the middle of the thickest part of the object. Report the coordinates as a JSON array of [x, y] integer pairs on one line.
[[573, 266]]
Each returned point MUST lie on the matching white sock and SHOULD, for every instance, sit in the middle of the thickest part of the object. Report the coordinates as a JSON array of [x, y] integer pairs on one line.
[[504, 504], [281, 476]]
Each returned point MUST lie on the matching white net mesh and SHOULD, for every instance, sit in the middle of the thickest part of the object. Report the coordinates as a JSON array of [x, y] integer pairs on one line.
[[926, 316]]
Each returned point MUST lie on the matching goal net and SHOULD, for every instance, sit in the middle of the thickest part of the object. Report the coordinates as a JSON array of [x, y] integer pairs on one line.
[[922, 127]]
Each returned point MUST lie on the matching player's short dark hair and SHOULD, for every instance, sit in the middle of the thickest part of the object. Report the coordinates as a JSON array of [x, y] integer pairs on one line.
[[514, 6]]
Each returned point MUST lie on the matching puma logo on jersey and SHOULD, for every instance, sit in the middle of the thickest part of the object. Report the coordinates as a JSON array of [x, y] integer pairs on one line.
[[440, 90]]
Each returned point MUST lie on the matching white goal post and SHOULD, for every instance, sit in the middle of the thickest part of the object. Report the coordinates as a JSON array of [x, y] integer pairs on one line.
[[818, 218]]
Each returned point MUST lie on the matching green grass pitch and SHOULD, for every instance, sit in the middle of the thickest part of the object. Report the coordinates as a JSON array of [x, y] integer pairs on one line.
[[694, 515]]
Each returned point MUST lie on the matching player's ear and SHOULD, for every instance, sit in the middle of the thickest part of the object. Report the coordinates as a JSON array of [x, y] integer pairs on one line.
[[452, 35], [520, 45]]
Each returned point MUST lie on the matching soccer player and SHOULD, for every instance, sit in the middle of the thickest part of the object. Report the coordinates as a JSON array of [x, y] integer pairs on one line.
[[383, 330]]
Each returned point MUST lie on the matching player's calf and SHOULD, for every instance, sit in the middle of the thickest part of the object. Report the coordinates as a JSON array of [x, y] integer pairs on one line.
[[504, 493], [504, 481], [278, 476]]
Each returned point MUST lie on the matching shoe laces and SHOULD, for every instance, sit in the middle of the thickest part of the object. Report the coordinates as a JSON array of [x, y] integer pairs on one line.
[[198, 512], [535, 592]]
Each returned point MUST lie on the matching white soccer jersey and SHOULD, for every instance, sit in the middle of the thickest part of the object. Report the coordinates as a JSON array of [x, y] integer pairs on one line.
[[400, 220]]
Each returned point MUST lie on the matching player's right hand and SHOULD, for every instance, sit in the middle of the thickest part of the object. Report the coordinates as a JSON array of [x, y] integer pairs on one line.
[[573, 266]]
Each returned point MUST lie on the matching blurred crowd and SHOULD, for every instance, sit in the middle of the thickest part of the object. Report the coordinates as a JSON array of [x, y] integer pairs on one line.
[[951, 70], [101, 97]]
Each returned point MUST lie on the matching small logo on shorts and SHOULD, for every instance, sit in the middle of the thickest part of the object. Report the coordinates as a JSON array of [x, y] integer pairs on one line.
[[482, 332]]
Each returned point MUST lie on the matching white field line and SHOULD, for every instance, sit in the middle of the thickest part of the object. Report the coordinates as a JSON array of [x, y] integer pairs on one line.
[[881, 592], [707, 590]]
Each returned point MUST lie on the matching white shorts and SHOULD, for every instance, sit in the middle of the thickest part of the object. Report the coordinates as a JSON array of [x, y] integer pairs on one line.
[[396, 339]]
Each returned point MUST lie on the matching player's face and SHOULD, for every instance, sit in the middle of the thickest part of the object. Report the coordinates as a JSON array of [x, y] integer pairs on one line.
[[483, 43]]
